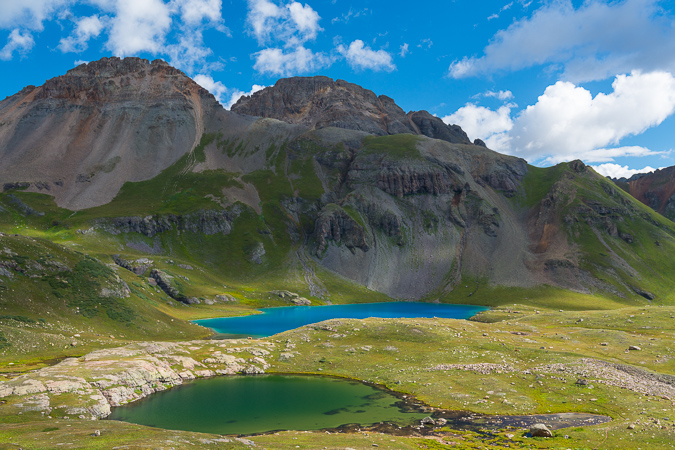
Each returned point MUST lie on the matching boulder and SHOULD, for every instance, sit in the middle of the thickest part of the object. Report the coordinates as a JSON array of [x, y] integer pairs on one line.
[[540, 430]]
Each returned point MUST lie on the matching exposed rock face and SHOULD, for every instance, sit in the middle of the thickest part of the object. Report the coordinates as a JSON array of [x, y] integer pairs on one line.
[[321, 102], [207, 222], [165, 282], [335, 224], [655, 189], [81, 135], [139, 267], [118, 376]]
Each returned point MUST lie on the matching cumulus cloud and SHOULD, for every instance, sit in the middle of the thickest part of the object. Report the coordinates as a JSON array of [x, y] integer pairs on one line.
[[293, 23], [305, 19], [284, 29], [593, 42], [195, 12], [567, 122], [171, 28], [480, 122], [28, 13], [282, 62], [138, 26], [85, 29], [619, 171], [360, 57], [218, 89], [18, 42]]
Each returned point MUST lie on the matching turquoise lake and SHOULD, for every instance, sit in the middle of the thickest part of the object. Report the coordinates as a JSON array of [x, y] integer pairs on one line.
[[261, 403], [277, 320]]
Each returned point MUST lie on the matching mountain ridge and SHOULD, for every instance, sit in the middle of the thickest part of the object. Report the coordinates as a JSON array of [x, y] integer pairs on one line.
[[320, 101], [306, 203]]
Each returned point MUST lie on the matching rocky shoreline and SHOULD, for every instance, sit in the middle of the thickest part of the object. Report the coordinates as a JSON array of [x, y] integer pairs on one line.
[[107, 378]]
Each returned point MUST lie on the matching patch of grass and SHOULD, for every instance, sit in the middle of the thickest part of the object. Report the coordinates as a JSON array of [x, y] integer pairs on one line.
[[397, 146], [537, 183]]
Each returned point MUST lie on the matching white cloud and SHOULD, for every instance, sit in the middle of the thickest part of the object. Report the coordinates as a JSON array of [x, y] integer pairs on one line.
[[85, 29], [17, 42], [130, 26], [262, 16], [593, 42], [218, 89], [237, 94], [480, 122], [276, 61], [404, 50], [567, 122], [292, 24], [360, 57], [619, 171], [139, 26], [194, 12], [501, 95], [305, 18], [501, 10], [425, 43], [190, 53], [349, 15], [28, 13], [221, 92]]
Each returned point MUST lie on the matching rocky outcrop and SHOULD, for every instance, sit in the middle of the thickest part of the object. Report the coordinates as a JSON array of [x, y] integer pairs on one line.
[[207, 222], [322, 102], [166, 283], [335, 224], [654, 189], [139, 266], [122, 375], [400, 181]]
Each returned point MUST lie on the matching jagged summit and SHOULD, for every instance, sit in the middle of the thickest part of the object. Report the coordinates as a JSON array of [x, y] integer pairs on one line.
[[320, 102], [114, 79], [81, 135]]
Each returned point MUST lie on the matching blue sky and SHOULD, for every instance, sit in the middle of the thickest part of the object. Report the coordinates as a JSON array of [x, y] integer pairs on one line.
[[548, 81]]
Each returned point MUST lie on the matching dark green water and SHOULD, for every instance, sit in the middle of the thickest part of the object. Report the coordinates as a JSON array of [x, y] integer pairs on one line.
[[260, 403]]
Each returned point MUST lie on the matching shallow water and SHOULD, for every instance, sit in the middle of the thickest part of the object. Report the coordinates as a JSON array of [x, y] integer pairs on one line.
[[261, 403], [277, 320]]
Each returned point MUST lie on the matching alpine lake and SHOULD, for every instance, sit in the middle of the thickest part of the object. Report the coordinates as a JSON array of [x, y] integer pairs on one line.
[[252, 404]]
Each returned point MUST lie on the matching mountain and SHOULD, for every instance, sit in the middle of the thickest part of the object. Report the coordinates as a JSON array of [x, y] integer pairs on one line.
[[654, 189], [319, 102], [328, 191]]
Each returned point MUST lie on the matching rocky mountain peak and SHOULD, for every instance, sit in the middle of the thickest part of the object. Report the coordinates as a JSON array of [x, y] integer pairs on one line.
[[111, 79], [320, 102]]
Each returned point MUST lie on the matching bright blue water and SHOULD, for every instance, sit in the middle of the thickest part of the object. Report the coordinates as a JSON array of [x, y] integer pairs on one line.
[[276, 320]]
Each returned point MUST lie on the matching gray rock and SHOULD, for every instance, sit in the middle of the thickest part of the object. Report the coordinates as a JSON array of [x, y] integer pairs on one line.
[[634, 348], [428, 421], [540, 430], [164, 281], [301, 301]]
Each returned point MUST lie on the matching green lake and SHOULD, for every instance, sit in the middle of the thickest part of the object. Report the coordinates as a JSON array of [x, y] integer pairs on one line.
[[261, 403]]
